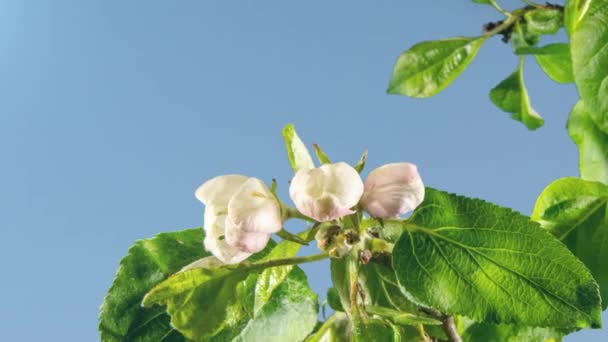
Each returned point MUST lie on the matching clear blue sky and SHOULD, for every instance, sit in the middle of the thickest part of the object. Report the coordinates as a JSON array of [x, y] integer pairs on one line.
[[113, 112]]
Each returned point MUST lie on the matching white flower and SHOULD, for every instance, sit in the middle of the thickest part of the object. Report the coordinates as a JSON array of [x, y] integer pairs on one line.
[[327, 192], [392, 190], [240, 215]]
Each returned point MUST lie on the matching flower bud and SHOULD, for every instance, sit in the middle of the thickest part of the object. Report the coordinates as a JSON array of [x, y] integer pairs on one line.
[[327, 192], [240, 215], [392, 190]]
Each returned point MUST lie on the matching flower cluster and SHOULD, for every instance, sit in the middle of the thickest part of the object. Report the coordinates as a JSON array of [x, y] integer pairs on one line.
[[241, 212]]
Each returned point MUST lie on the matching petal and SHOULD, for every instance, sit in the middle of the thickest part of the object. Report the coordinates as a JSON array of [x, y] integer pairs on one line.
[[215, 240], [392, 190], [245, 241], [254, 209], [218, 191], [328, 192]]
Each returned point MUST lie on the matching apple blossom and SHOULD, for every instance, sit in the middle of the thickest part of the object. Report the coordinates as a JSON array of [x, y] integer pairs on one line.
[[392, 190], [240, 215], [328, 192]]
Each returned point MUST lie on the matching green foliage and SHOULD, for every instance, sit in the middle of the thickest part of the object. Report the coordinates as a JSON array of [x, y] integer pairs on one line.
[[574, 210], [335, 329], [573, 13], [511, 96], [543, 21], [203, 304], [297, 153], [457, 249], [509, 333], [429, 67], [523, 40], [590, 59], [556, 62], [592, 144], [148, 262]]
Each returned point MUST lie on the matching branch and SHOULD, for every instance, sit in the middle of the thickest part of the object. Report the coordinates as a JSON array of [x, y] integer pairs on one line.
[[448, 324]]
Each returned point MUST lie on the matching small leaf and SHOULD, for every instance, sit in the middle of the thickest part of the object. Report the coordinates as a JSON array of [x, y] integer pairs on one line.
[[468, 257], [590, 59], [333, 299], [482, 1], [544, 21], [556, 62], [428, 67], [321, 156], [574, 210], [522, 40], [147, 263], [511, 96], [299, 157], [592, 144], [361, 163]]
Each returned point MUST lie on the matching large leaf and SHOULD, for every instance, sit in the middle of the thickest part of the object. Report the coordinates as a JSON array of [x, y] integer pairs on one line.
[[297, 153], [428, 67], [589, 47], [556, 62], [239, 302], [509, 333], [511, 96], [148, 262], [574, 210], [592, 144], [469, 257], [573, 13]]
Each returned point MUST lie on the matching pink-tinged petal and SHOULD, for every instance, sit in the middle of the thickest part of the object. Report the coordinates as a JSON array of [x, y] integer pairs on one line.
[[218, 190], [327, 192], [254, 209], [392, 190], [215, 239], [245, 241]]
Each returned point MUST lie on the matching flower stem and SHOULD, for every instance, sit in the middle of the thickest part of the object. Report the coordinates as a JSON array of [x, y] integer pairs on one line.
[[291, 213]]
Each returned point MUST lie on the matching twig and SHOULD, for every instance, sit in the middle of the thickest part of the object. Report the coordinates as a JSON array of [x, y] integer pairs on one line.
[[448, 324]]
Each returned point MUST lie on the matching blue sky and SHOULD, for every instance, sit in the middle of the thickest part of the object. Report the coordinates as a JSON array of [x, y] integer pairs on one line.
[[113, 112]]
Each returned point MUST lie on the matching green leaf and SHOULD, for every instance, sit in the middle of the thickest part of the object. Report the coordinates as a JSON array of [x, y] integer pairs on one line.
[[335, 329], [147, 263], [590, 60], [469, 257], [544, 21], [509, 333], [574, 210], [556, 62], [400, 317], [573, 12], [333, 299], [299, 157], [361, 163], [321, 156], [482, 1], [592, 144], [523, 40], [204, 307], [428, 67], [511, 96]]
